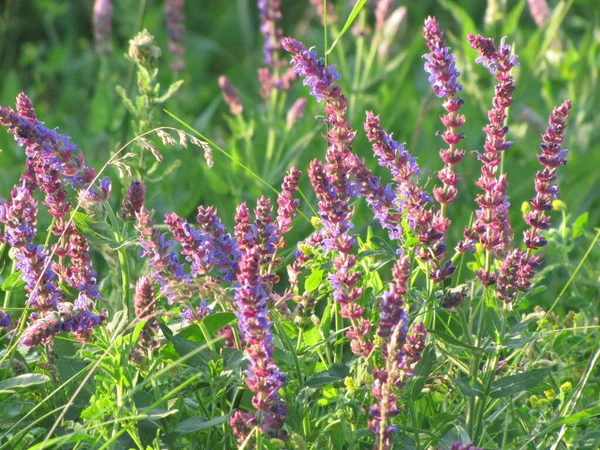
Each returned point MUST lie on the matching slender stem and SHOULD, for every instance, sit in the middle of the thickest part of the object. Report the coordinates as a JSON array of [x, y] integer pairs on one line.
[[8, 293], [123, 261]]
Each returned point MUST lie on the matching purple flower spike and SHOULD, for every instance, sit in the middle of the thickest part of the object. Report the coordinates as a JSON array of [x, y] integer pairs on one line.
[[428, 225], [492, 224], [230, 96], [20, 218], [551, 157], [296, 112], [102, 26], [5, 325], [270, 77], [520, 267], [65, 319], [174, 10], [440, 64], [401, 352], [144, 304], [134, 200], [460, 446], [224, 248], [270, 14], [263, 377], [333, 187], [165, 268]]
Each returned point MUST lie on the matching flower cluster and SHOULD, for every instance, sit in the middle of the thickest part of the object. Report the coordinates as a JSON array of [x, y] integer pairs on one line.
[[492, 226], [174, 10], [206, 248], [231, 96], [401, 351], [144, 304], [65, 318], [5, 322], [519, 267], [551, 157], [51, 161], [102, 25], [263, 377], [269, 77], [460, 446], [427, 224], [296, 112], [440, 64], [333, 188], [134, 201], [165, 268]]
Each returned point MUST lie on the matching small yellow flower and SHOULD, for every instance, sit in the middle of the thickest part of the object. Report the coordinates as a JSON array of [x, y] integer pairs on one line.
[[559, 205]]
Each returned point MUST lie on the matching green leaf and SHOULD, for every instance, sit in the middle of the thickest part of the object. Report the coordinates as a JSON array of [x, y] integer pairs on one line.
[[353, 14], [383, 245], [194, 424], [421, 373], [580, 224], [446, 338], [465, 387], [13, 282], [336, 372], [558, 15], [313, 281], [512, 19], [21, 381], [183, 347], [514, 384], [491, 316]]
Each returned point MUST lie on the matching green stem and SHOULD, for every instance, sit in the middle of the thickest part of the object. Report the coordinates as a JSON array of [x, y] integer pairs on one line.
[[123, 261], [9, 292]]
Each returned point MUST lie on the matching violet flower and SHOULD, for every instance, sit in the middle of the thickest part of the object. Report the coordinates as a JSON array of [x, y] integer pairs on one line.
[[296, 112], [165, 268], [457, 445], [287, 204], [492, 224], [230, 96], [440, 64], [270, 15], [334, 188], [144, 304], [519, 267], [51, 158], [5, 322], [102, 25], [175, 12], [552, 156], [401, 352], [540, 12], [428, 225], [191, 314], [66, 318], [224, 247], [263, 377], [134, 201], [20, 217]]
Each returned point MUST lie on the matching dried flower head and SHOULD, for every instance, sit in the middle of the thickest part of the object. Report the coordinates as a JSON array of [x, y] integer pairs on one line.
[[143, 50]]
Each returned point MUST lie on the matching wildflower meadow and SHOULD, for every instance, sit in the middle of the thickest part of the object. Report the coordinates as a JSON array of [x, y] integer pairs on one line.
[[304, 225]]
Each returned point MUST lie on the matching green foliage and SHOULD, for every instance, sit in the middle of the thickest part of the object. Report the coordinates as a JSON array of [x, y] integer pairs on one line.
[[501, 377]]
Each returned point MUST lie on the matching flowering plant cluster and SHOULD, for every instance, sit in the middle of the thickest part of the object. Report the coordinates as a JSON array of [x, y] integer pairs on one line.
[[264, 327]]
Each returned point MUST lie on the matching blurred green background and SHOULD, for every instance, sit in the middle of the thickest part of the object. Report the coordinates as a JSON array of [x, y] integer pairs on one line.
[[47, 50]]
